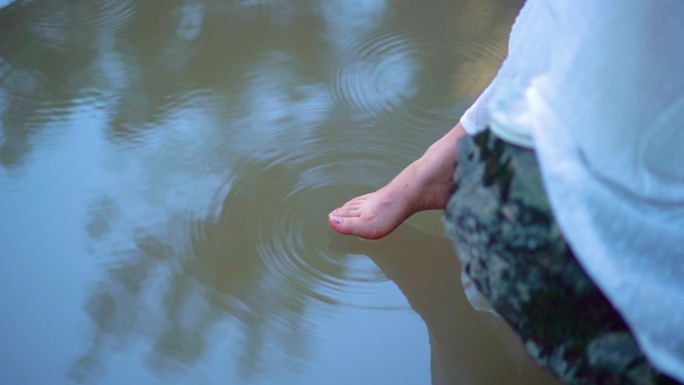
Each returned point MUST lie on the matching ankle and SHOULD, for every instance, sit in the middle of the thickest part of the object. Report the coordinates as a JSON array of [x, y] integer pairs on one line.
[[435, 181]]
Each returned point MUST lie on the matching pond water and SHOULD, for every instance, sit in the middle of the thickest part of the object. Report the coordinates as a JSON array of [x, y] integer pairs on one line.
[[166, 170]]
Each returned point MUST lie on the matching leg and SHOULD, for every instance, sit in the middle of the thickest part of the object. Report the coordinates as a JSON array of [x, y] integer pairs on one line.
[[423, 185]]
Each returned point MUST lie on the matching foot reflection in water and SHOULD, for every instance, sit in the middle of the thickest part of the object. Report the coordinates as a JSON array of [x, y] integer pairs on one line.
[[467, 347]]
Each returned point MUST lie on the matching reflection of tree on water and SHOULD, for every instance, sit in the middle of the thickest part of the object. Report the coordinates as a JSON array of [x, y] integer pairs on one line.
[[464, 344], [258, 73], [178, 299], [136, 59], [139, 62]]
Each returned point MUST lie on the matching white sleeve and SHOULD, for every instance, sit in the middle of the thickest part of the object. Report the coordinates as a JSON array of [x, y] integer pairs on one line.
[[476, 118]]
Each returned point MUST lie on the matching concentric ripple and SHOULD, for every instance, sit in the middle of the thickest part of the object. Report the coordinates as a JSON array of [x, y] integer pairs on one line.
[[34, 111], [274, 11], [293, 244], [380, 75], [387, 77], [59, 24], [276, 214]]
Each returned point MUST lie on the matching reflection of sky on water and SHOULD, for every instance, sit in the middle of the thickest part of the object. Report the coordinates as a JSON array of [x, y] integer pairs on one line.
[[4, 3], [351, 20], [165, 174]]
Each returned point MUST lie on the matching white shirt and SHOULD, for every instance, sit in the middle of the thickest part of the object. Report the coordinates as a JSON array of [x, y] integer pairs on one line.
[[597, 88]]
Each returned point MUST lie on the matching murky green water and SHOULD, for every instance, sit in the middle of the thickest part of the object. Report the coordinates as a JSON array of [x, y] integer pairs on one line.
[[166, 170]]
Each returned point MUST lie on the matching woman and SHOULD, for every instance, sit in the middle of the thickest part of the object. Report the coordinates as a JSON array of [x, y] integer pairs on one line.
[[568, 202]]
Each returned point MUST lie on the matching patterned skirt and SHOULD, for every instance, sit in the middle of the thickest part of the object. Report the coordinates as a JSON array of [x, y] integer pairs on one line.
[[509, 244]]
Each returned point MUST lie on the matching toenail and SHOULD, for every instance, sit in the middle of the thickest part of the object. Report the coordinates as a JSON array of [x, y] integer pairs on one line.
[[336, 220]]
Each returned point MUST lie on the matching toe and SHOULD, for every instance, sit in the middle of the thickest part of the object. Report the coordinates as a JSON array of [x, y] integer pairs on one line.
[[354, 225], [350, 205], [339, 225], [347, 225], [359, 200], [347, 212]]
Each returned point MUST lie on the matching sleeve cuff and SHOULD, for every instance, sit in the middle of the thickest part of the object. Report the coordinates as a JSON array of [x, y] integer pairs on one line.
[[476, 118]]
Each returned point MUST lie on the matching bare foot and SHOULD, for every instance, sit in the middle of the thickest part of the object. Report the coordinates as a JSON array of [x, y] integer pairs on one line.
[[423, 185]]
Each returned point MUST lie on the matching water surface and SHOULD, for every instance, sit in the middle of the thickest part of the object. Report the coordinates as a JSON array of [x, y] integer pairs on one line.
[[166, 170]]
